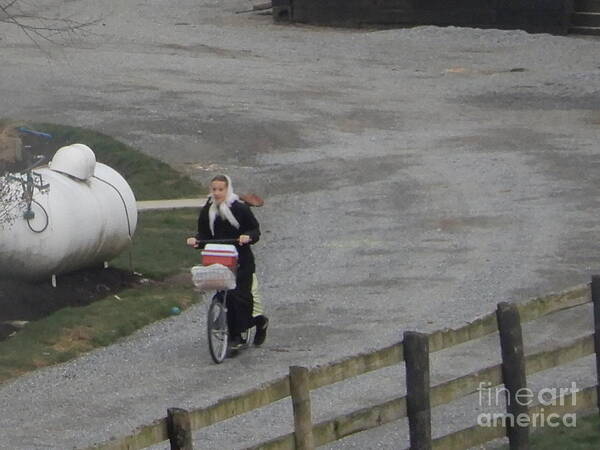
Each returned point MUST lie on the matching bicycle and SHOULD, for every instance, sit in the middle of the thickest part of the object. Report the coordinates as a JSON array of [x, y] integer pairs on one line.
[[217, 330], [220, 280]]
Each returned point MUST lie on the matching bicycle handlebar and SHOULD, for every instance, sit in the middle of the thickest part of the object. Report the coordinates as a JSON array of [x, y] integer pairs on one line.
[[217, 241]]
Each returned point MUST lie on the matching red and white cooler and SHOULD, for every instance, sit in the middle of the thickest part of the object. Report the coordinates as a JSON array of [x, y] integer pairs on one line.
[[220, 254]]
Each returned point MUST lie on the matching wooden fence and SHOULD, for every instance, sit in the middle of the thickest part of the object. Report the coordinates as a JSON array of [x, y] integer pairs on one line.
[[421, 397]]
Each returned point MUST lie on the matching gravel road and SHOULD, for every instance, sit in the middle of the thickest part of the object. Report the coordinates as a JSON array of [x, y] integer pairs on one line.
[[413, 178]]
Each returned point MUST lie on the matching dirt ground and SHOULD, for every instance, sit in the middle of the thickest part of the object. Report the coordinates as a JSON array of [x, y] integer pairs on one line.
[[20, 301]]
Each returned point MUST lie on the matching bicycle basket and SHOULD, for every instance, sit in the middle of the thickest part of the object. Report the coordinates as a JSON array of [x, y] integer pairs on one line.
[[215, 277]]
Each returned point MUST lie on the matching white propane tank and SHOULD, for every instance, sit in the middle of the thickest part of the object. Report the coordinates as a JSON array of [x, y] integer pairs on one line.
[[86, 216]]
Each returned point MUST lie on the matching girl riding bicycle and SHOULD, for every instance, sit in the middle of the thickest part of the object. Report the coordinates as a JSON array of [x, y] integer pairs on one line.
[[225, 216]]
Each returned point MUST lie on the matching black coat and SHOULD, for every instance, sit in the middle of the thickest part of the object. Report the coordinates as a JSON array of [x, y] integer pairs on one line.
[[224, 230]]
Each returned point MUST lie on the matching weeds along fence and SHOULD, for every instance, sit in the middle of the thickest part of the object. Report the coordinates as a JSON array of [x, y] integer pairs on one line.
[[414, 351]]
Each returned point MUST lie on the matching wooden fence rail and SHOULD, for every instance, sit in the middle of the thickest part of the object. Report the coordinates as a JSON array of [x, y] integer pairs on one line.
[[395, 409]]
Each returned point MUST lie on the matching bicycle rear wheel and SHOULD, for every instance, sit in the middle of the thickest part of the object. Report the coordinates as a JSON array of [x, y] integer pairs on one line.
[[218, 334]]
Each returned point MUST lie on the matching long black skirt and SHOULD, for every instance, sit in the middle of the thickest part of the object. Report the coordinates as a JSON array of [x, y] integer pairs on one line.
[[240, 304]]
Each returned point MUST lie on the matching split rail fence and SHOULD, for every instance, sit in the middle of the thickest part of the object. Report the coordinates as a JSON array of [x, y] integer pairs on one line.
[[414, 351]]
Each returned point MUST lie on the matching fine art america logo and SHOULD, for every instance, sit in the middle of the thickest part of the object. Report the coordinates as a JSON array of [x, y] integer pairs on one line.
[[546, 397]]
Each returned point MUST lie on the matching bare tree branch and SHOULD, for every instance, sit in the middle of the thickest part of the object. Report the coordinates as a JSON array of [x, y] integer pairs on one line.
[[37, 26], [11, 201]]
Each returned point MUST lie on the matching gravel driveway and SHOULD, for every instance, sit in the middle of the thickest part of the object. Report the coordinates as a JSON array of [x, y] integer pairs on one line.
[[413, 178]]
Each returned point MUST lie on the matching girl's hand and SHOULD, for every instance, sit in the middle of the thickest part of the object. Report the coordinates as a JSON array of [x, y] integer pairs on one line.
[[191, 242], [244, 239]]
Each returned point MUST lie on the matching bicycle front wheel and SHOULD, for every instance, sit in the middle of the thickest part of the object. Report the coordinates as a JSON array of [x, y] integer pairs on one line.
[[218, 335]]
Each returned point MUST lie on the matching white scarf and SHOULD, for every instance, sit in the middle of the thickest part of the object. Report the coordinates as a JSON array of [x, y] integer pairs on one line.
[[223, 209]]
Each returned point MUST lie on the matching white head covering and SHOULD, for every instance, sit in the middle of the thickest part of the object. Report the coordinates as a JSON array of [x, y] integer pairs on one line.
[[223, 209]]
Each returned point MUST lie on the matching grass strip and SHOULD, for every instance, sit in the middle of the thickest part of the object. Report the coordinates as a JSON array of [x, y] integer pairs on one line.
[[71, 332], [584, 436], [159, 249]]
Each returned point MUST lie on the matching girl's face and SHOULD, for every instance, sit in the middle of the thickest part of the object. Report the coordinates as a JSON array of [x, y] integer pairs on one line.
[[218, 189]]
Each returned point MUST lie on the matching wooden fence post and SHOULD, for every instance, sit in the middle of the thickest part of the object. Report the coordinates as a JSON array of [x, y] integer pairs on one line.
[[596, 301], [513, 374], [300, 392], [179, 428], [416, 356]]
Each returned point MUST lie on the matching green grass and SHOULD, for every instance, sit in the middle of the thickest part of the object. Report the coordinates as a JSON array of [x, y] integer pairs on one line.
[[585, 436], [159, 248], [149, 178], [70, 332]]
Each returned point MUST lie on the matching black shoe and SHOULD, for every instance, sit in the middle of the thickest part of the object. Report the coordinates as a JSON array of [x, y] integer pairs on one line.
[[261, 323]]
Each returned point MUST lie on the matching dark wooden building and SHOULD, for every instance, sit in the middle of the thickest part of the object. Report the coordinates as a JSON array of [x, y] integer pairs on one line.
[[535, 16]]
